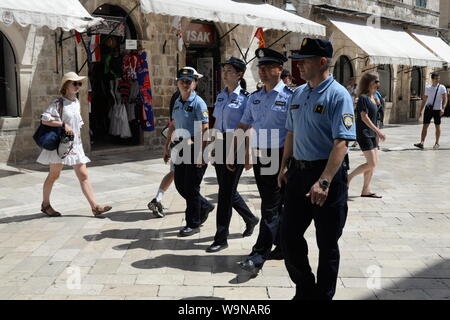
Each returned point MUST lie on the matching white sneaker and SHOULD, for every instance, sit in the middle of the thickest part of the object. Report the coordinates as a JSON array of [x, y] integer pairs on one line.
[[436, 146]]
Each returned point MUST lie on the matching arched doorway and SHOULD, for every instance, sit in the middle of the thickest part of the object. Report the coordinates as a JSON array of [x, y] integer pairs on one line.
[[385, 75], [203, 53], [343, 70], [9, 106], [112, 85]]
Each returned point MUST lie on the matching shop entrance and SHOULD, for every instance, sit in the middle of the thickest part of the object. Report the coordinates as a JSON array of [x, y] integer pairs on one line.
[[203, 53], [114, 109]]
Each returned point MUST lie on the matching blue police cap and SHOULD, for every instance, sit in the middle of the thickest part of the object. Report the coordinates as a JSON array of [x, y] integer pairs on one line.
[[269, 56], [314, 48], [237, 63], [185, 74]]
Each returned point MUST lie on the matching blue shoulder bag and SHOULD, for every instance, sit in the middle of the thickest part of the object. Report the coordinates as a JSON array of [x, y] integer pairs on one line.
[[48, 137]]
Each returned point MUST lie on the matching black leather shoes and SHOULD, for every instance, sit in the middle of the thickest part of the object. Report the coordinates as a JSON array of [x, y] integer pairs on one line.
[[205, 214], [186, 231], [250, 227], [276, 254], [249, 266], [216, 247]]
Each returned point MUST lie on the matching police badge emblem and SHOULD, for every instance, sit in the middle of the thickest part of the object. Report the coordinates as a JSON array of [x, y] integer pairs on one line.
[[260, 54], [347, 119], [305, 41]]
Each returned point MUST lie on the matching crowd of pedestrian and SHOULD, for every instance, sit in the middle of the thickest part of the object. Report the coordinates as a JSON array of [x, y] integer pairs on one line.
[[296, 140]]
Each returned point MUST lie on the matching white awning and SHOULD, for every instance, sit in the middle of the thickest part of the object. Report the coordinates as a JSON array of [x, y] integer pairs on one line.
[[436, 45], [65, 14], [227, 11], [387, 45]]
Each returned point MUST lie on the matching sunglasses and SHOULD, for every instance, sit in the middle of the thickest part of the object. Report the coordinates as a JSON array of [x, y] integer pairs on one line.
[[77, 84]]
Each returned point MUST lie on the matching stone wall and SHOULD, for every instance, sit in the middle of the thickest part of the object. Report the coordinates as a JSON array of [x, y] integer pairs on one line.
[[405, 10], [39, 71]]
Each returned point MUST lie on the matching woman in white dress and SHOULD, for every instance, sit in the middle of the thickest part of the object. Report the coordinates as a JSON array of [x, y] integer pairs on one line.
[[72, 123]]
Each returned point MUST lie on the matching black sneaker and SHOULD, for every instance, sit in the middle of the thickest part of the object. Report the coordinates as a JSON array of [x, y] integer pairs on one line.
[[156, 208], [418, 145]]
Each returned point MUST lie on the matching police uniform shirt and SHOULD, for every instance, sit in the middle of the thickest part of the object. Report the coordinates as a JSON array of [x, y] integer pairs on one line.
[[187, 112], [319, 116], [229, 109], [268, 110]]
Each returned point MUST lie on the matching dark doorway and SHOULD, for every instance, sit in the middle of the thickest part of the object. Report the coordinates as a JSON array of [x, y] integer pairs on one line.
[[8, 80], [111, 124]]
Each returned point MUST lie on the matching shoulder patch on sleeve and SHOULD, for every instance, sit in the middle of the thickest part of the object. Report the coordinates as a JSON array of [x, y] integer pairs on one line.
[[347, 119]]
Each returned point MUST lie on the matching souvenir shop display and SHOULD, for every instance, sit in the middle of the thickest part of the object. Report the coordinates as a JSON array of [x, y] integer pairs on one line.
[[121, 104]]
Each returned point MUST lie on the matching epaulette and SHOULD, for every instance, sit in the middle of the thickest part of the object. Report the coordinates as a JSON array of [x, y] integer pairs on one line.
[[245, 92], [289, 89]]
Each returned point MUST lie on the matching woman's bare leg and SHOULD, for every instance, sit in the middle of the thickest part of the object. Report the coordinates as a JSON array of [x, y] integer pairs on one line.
[[53, 175], [86, 187]]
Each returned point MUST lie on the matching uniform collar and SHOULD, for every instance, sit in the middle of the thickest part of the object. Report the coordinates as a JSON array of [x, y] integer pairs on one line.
[[191, 97], [236, 91], [323, 85], [278, 88]]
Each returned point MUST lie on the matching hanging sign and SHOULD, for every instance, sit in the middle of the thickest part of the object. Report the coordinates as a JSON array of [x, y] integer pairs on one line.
[[200, 34], [108, 25], [131, 45]]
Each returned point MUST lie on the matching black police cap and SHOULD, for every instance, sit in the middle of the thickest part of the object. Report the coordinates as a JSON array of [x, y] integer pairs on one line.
[[269, 56], [187, 74], [314, 48], [237, 63]]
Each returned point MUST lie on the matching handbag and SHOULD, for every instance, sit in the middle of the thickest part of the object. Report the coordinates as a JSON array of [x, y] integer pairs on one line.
[[431, 106], [54, 138]]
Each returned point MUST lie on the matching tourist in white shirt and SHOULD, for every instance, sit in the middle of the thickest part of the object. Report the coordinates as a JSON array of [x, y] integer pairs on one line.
[[434, 102]]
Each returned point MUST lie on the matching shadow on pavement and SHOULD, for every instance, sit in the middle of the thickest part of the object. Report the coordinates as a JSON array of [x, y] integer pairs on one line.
[[430, 283], [134, 215], [195, 263], [35, 216], [154, 239], [8, 173]]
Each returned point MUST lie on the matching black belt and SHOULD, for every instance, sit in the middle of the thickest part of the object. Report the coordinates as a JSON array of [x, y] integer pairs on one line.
[[305, 165]]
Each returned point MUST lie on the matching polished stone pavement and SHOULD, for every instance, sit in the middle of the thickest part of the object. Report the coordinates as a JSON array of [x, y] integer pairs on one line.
[[397, 247]]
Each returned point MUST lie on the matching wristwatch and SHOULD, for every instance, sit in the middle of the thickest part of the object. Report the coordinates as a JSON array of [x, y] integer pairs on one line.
[[324, 184]]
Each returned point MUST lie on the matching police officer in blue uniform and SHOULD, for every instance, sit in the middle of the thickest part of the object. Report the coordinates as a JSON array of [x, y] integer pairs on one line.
[[190, 110], [229, 108], [266, 112], [320, 124]]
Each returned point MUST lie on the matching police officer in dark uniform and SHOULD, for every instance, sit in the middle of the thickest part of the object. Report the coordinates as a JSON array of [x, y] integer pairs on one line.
[[266, 112], [320, 124], [229, 108], [190, 110]]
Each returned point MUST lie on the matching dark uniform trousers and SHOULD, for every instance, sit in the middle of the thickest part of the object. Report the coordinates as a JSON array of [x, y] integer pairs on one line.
[[229, 198], [271, 204], [329, 222], [188, 178]]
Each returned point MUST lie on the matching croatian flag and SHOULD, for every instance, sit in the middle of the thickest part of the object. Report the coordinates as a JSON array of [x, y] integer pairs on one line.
[[94, 48]]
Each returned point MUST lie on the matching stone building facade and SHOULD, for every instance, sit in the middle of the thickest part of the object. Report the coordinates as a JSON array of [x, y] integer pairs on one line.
[[41, 62], [402, 85], [444, 24]]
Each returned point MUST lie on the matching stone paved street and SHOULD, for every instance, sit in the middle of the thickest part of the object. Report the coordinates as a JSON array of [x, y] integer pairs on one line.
[[394, 248]]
